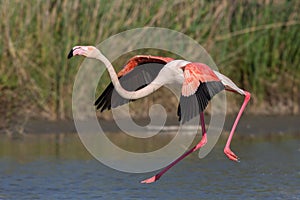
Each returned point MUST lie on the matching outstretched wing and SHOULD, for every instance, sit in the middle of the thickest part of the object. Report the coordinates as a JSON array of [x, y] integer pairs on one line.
[[137, 73], [199, 86]]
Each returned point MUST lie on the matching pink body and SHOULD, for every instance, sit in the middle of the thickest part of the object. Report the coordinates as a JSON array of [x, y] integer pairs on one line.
[[190, 75]]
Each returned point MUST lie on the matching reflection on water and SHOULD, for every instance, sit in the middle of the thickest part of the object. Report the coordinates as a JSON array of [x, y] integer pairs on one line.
[[59, 167], [31, 147]]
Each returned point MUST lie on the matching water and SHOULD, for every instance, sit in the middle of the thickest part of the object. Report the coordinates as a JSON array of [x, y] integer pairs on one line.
[[58, 167]]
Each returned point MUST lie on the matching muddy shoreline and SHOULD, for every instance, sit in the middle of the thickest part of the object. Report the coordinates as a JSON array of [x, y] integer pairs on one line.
[[248, 126]]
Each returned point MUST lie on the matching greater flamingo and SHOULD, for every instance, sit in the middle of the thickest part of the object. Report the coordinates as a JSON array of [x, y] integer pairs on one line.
[[142, 75]]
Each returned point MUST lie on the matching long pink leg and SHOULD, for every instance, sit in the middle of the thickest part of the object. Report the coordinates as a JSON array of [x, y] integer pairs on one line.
[[202, 142], [227, 149]]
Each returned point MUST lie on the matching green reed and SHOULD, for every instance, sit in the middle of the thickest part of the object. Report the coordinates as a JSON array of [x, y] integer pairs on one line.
[[256, 43]]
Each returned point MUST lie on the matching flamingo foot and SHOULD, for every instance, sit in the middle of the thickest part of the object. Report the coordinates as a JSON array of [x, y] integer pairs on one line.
[[151, 180], [231, 155]]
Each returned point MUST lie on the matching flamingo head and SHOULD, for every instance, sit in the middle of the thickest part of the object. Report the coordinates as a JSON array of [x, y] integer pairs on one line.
[[86, 51]]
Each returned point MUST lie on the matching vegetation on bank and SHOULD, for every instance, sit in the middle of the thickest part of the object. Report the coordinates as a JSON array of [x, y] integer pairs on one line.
[[256, 43]]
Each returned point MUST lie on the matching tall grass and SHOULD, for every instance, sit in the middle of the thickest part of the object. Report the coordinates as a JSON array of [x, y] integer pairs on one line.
[[256, 43]]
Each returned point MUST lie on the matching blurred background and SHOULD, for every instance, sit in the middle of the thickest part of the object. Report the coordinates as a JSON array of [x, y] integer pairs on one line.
[[255, 43]]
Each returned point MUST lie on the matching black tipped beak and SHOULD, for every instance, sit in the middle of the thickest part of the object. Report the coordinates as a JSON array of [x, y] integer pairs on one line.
[[70, 55]]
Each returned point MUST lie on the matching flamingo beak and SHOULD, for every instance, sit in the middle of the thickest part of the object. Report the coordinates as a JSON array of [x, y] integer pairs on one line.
[[85, 51], [70, 55], [78, 51]]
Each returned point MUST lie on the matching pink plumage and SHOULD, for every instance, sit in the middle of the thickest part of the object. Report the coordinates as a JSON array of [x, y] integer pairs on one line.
[[145, 74]]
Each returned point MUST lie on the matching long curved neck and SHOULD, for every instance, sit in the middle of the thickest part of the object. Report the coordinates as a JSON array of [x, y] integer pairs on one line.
[[122, 92]]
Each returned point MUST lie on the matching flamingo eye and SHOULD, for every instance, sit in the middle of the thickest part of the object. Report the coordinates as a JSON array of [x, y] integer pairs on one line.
[[90, 48]]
